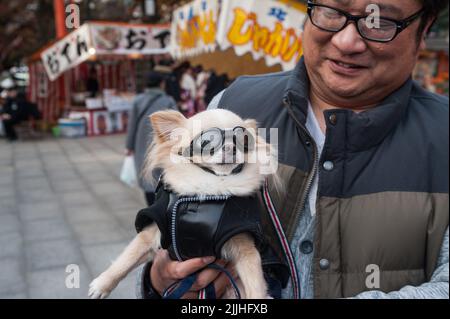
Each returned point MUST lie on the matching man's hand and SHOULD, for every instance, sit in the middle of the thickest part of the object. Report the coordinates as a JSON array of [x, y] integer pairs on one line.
[[5, 116], [165, 272]]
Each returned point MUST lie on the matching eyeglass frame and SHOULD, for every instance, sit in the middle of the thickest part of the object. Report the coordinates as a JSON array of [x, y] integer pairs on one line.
[[401, 24], [189, 151]]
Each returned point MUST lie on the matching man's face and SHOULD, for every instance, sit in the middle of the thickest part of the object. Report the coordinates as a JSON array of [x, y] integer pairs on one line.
[[377, 68]]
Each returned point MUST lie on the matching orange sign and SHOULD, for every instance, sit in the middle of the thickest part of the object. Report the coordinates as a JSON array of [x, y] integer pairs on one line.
[[194, 28], [269, 29]]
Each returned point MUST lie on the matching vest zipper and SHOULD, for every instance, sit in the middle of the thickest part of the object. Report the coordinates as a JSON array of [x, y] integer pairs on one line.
[[309, 183], [299, 205], [175, 213]]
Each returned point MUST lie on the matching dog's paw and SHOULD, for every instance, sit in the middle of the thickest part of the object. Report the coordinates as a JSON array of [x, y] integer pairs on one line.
[[99, 288]]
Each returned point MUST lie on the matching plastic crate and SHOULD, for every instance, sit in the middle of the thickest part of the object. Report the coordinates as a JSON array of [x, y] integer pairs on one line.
[[72, 128]]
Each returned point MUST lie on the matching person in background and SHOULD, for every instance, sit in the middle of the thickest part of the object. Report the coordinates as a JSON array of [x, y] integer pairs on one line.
[[172, 83], [215, 85], [166, 60], [139, 132], [188, 91], [201, 80], [16, 110], [92, 85]]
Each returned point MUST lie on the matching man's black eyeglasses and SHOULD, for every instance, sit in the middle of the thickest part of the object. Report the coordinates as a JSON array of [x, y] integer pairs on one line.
[[334, 20], [210, 141]]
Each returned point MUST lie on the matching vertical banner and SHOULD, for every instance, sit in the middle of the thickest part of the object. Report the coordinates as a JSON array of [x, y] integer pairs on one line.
[[42, 84], [194, 27], [67, 53], [266, 28]]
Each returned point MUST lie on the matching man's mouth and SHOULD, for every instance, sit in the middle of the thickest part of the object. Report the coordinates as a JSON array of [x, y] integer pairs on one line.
[[223, 169], [348, 65], [346, 68]]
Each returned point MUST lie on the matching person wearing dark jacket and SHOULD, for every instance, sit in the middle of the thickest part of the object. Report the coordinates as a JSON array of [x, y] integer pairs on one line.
[[16, 110], [92, 85], [215, 85], [139, 129], [363, 158]]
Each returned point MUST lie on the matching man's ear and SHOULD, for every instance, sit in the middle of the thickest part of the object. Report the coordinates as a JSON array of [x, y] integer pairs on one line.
[[423, 45], [165, 122]]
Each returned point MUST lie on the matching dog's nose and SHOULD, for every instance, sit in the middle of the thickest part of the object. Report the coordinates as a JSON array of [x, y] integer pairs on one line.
[[229, 149]]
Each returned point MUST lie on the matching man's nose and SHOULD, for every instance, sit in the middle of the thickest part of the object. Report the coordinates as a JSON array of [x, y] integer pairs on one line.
[[349, 41]]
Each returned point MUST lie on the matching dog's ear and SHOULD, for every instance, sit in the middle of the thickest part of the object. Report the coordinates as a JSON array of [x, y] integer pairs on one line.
[[165, 122]]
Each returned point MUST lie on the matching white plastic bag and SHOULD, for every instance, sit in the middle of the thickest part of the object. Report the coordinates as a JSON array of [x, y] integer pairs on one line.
[[128, 173]]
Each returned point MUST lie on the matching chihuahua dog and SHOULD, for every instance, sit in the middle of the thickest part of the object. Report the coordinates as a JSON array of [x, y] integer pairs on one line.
[[214, 153]]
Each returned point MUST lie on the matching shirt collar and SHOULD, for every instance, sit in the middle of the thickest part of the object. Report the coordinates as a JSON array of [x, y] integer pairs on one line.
[[364, 129]]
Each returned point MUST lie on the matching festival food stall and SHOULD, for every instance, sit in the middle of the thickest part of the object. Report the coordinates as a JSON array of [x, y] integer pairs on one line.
[[87, 80], [239, 37], [432, 68]]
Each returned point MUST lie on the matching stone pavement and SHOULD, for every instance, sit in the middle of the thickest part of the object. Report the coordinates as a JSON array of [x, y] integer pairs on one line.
[[61, 203]]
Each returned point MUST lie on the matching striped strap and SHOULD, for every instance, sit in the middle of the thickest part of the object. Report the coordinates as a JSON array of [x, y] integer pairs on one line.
[[202, 294], [283, 240]]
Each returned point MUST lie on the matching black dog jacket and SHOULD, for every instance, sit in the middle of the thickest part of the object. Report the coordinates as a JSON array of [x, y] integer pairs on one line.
[[200, 227], [196, 227]]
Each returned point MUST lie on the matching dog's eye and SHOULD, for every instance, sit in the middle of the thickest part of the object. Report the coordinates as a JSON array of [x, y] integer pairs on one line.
[[212, 138], [205, 143], [243, 139], [198, 143]]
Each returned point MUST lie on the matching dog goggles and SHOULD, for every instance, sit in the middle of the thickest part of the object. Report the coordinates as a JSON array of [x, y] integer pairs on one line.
[[213, 139]]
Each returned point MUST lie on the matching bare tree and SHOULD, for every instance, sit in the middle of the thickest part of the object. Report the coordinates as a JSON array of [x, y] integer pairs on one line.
[[28, 25], [25, 27]]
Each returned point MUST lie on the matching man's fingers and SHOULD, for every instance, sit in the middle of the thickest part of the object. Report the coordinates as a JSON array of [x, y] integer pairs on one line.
[[158, 272], [172, 271], [222, 283], [205, 277], [179, 270], [165, 271], [190, 295]]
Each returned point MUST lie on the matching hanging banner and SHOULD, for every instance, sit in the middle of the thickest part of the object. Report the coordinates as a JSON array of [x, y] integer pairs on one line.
[[129, 39], [194, 27], [266, 28], [67, 53], [98, 38]]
